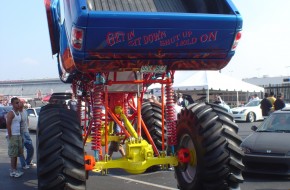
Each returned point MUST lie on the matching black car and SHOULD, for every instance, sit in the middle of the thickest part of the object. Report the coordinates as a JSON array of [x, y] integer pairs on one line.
[[3, 112], [60, 98], [267, 149]]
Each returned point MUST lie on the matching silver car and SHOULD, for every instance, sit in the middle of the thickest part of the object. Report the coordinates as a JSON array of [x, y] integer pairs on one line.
[[33, 114]]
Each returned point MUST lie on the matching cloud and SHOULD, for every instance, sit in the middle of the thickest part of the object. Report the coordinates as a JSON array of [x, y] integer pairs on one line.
[[29, 61]]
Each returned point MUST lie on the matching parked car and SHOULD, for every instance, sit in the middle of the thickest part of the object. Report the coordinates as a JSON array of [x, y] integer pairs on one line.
[[226, 106], [33, 114], [3, 112], [250, 112], [267, 149]]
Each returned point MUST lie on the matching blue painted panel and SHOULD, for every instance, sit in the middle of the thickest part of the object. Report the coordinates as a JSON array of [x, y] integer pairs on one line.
[[53, 19]]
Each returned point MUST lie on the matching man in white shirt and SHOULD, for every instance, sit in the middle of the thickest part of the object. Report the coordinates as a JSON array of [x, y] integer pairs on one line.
[[14, 138]]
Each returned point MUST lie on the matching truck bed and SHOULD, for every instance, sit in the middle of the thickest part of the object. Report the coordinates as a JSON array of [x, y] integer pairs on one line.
[[181, 6], [137, 5]]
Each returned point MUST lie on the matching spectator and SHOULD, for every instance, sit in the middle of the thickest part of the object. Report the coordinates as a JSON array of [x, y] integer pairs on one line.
[[39, 94], [73, 103], [14, 137], [114, 145], [250, 98], [266, 105], [184, 102], [27, 142], [1, 104], [177, 108], [272, 100], [279, 102], [218, 100], [154, 99], [256, 97], [180, 99]]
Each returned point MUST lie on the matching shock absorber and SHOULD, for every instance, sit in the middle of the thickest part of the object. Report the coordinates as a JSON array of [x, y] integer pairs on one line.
[[170, 116], [97, 102]]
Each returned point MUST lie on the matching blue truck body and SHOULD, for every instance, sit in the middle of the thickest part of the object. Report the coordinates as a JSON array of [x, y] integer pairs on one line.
[[114, 36], [111, 51]]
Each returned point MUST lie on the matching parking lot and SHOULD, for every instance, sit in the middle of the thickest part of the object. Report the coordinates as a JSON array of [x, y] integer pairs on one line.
[[119, 180]]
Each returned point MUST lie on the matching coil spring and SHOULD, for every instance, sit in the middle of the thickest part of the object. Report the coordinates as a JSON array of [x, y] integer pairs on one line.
[[97, 119], [170, 115]]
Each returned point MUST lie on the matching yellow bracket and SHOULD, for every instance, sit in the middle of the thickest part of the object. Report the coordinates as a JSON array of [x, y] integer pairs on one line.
[[127, 123], [134, 167], [139, 157]]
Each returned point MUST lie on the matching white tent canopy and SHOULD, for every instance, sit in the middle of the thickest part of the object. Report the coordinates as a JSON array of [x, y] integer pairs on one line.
[[212, 80], [209, 80]]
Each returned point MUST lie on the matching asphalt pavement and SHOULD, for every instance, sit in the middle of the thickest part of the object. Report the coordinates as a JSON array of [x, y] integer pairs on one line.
[[117, 179]]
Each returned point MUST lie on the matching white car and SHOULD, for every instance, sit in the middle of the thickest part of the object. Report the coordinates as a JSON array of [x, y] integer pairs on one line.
[[33, 114], [250, 112]]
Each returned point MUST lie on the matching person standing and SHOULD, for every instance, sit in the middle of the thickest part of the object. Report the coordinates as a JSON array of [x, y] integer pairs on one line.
[[279, 102], [14, 137], [266, 105], [217, 99], [73, 103], [27, 142], [114, 145], [177, 107], [272, 100], [180, 98], [256, 97]]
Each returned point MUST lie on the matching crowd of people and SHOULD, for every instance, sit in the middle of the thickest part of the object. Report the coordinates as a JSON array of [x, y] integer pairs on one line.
[[268, 104], [18, 138], [271, 103]]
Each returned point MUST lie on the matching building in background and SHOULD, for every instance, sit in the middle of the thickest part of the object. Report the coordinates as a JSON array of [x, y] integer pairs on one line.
[[32, 88], [31, 91], [275, 84]]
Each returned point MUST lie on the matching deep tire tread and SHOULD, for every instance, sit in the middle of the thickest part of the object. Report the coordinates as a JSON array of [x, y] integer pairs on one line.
[[60, 150], [217, 145], [152, 117]]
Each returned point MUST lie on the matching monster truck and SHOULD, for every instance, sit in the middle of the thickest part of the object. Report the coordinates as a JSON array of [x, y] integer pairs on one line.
[[110, 51]]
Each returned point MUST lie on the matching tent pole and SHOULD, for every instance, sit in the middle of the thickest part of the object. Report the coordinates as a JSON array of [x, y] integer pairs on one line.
[[207, 95]]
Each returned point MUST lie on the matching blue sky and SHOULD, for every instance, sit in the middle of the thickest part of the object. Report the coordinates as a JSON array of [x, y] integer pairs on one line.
[[263, 50]]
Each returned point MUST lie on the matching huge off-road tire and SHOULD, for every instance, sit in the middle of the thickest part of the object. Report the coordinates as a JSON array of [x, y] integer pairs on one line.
[[210, 135], [60, 154], [152, 117]]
